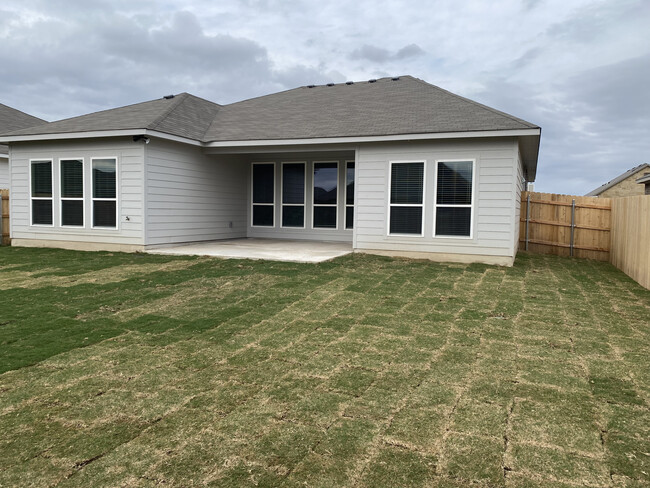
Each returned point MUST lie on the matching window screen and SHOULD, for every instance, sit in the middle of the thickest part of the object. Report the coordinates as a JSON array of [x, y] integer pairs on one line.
[[293, 195], [263, 194], [104, 173], [41, 192], [325, 195], [454, 198], [72, 192], [406, 197]]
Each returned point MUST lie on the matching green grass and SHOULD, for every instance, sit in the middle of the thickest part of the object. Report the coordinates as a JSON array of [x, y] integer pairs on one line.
[[142, 370]]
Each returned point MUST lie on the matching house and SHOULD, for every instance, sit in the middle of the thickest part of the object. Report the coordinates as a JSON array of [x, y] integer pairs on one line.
[[624, 185], [392, 166], [645, 181], [10, 120]]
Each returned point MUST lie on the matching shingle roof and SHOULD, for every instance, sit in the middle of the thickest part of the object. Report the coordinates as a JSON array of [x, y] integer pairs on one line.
[[12, 119], [618, 179], [387, 106], [184, 115]]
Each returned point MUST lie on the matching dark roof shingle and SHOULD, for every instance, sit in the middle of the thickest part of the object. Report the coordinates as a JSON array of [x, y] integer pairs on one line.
[[12, 119], [387, 106]]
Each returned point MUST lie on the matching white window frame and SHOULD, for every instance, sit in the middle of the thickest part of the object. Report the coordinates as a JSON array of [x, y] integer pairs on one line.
[[32, 198], [345, 196], [82, 199], [424, 191], [471, 206], [275, 177], [116, 199], [338, 196], [304, 194]]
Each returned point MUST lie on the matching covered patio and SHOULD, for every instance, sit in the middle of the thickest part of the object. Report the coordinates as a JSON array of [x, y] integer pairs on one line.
[[299, 251]]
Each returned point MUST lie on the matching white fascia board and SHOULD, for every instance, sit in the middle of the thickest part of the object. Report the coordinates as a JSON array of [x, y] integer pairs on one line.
[[361, 139], [99, 133]]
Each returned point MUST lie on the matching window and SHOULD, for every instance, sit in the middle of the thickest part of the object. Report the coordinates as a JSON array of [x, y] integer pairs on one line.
[[406, 198], [325, 195], [454, 198], [72, 192], [349, 195], [104, 192], [263, 194], [293, 194], [41, 192]]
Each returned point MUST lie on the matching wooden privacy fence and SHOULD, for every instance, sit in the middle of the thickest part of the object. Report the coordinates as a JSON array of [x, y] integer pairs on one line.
[[566, 225], [631, 237], [4, 221]]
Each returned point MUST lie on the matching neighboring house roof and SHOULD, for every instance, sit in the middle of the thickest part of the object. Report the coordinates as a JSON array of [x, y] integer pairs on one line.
[[618, 179], [12, 119]]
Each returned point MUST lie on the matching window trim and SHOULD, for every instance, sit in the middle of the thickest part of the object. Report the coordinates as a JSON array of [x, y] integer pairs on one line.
[[304, 195], [422, 205], [338, 196], [345, 200], [32, 198], [471, 206], [265, 204], [116, 199], [83, 189]]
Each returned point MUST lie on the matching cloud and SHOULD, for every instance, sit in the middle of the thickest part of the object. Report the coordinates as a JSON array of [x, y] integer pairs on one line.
[[381, 55]]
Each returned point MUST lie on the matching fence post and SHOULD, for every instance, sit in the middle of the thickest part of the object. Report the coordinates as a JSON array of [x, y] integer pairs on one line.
[[573, 223], [527, 218], [4, 217]]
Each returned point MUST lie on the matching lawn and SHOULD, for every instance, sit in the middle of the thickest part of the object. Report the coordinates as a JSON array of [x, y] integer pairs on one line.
[[141, 370]]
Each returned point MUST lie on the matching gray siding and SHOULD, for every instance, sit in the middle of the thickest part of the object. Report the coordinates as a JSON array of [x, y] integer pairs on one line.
[[130, 177], [339, 234], [192, 196], [4, 173], [494, 199]]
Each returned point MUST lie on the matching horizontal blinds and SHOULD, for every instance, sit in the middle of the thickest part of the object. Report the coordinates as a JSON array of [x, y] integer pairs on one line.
[[263, 183], [454, 183], [42, 179], [104, 180], [293, 183], [72, 178], [407, 182]]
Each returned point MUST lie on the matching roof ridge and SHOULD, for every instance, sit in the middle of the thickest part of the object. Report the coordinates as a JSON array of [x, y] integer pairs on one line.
[[478, 104], [617, 179], [172, 106]]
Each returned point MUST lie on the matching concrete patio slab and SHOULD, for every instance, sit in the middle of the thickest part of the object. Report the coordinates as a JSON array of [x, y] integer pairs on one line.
[[271, 249]]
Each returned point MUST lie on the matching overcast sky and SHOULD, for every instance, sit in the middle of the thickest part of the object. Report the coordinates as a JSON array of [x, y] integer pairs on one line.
[[580, 69]]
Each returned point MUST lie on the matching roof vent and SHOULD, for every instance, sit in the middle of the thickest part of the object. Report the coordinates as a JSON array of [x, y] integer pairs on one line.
[[330, 84], [372, 81], [349, 82], [311, 86], [395, 79], [168, 97]]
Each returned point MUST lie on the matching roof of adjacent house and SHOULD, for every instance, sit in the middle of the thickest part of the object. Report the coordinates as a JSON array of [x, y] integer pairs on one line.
[[12, 119], [387, 106], [618, 179]]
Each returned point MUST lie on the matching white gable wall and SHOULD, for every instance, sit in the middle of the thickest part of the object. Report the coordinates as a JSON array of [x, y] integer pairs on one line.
[[129, 234], [495, 210], [191, 196]]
